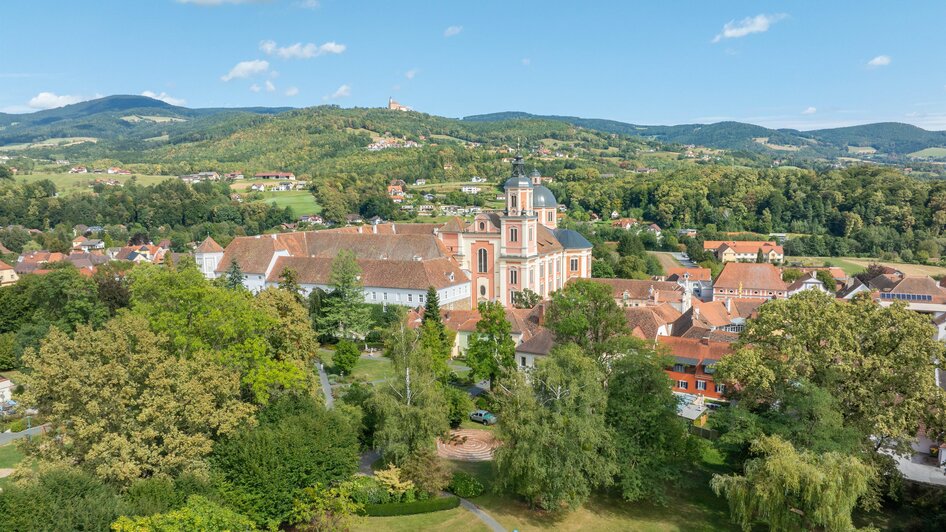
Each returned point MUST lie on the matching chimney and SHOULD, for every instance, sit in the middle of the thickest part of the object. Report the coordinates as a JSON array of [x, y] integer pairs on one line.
[[696, 312], [728, 305], [704, 340], [374, 228]]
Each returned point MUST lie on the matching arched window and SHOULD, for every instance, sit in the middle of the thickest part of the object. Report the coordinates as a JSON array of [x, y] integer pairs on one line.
[[482, 260], [513, 234], [514, 200], [513, 276], [482, 226]]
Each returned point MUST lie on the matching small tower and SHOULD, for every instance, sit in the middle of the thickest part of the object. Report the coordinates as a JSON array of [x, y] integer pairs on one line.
[[208, 256]]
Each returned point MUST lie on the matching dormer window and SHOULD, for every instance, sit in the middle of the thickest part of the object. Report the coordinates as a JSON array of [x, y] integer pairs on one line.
[[482, 226]]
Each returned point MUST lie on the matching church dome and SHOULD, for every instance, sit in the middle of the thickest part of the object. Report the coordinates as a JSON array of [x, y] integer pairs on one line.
[[542, 197], [517, 181]]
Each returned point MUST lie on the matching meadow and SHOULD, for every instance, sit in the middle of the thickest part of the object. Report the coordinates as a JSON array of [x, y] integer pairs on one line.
[[72, 183]]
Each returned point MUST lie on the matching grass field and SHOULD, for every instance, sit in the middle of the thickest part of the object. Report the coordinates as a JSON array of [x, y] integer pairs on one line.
[[71, 183], [699, 509], [455, 519], [10, 457], [62, 141], [852, 265], [301, 201], [369, 369], [861, 150], [930, 152], [666, 259]]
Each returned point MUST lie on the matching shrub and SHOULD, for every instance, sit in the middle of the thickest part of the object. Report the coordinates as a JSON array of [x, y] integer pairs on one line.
[[408, 508], [345, 356], [465, 485], [459, 405], [17, 426], [58, 498]]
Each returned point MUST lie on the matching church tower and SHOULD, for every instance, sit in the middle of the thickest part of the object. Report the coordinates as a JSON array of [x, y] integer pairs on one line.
[[518, 227]]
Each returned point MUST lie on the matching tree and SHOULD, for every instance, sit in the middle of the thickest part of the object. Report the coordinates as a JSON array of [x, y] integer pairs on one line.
[[411, 409], [827, 280], [197, 515], [651, 442], [344, 314], [58, 497], [233, 277], [585, 313], [460, 405], [525, 299], [790, 275], [5, 172], [792, 490], [432, 309], [345, 356], [556, 447], [760, 257], [288, 282], [491, 351], [122, 408], [321, 509], [298, 444]]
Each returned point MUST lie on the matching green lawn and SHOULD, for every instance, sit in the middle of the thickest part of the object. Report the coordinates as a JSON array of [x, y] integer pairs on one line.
[[301, 201], [72, 183], [930, 152], [849, 267], [852, 265], [455, 519], [693, 506], [369, 369], [10, 456]]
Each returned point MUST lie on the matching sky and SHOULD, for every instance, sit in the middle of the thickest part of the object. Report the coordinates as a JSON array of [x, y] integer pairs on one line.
[[801, 64]]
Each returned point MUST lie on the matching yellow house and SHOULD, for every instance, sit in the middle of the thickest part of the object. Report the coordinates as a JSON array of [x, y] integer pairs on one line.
[[7, 275]]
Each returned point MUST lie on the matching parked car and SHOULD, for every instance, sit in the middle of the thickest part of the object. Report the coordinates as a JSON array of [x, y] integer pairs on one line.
[[483, 416]]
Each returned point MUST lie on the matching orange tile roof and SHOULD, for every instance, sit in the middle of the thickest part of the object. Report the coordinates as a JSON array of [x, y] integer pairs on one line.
[[640, 289], [695, 348], [407, 274], [209, 245], [696, 274], [743, 246], [750, 276]]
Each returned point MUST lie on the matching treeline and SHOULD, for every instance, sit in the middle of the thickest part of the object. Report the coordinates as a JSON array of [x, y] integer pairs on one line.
[[159, 210], [863, 210]]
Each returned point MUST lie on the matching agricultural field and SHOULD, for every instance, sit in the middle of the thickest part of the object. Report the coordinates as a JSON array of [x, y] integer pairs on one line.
[[49, 143], [301, 201], [934, 153], [861, 150], [71, 183], [852, 265]]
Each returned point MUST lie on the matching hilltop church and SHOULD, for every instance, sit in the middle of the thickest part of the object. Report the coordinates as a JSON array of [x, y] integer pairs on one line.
[[490, 258]]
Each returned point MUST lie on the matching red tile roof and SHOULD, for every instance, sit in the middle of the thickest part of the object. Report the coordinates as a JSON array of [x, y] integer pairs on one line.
[[640, 290], [696, 274], [750, 276], [743, 246], [408, 274], [209, 245]]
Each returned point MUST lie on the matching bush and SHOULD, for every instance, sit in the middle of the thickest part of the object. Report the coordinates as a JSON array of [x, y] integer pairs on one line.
[[17, 426], [58, 498], [345, 357], [459, 405], [465, 485], [409, 508]]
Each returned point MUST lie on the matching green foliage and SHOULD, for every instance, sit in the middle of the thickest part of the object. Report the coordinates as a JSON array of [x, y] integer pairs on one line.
[[556, 447], [322, 508], [460, 405], [122, 408], [525, 298], [791, 490], [155, 495], [435, 504], [233, 277], [465, 485], [58, 498], [345, 356], [198, 515], [411, 408], [344, 314], [8, 352], [651, 442], [585, 313], [359, 395], [491, 351], [297, 444]]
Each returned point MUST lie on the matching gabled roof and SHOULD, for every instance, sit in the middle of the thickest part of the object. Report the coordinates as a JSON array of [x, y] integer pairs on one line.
[[645, 322], [751, 276], [807, 278], [209, 245], [5, 266], [407, 274], [640, 290], [689, 349], [541, 343], [696, 274], [743, 246]]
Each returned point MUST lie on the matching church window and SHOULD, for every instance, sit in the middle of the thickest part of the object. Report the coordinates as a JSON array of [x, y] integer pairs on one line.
[[513, 276], [513, 234], [482, 261]]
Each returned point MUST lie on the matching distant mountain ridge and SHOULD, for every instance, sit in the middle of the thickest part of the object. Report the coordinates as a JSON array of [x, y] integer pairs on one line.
[[887, 137], [118, 117]]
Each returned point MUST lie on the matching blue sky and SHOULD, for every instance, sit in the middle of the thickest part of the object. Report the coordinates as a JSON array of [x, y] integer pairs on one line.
[[800, 64]]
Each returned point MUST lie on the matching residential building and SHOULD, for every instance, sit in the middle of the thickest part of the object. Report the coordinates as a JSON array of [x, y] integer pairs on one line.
[[808, 281], [208, 256], [276, 175], [744, 250], [694, 362], [698, 280], [6, 390], [644, 293], [624, 223], [740, 280], [8, 275], [470, 189]]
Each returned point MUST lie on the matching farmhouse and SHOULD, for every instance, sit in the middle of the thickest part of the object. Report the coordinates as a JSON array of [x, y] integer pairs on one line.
[[744, 251], [749, 281]]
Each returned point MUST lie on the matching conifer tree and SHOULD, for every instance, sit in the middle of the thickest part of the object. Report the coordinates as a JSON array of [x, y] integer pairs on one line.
[[233, 277]]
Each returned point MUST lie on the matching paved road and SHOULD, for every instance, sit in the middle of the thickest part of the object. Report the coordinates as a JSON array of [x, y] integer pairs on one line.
[[686, 263], [8, 437], [326, 387]]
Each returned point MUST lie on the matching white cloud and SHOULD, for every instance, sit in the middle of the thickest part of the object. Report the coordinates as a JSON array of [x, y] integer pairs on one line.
[[292, 91], [245, 69], [269, 86], [747, 26], [51, 100], [342, 92], [308, 4], [164, 97], [254, 88], [810, 111], [299, 50], [879, 61], [410, 74], [452, 30], [220, 2], [526, 61]]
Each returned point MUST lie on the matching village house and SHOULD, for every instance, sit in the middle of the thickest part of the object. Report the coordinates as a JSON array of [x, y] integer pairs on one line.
[[276, 175], [624, 223], [469, 189], [749, 281], [694, 362], [808, 281], [644, 293], [8, 275], [698, 280], [744, 251], [82, 243], [6, 390]]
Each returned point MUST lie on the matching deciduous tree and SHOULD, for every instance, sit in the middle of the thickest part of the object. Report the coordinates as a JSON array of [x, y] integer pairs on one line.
[[491, 351]]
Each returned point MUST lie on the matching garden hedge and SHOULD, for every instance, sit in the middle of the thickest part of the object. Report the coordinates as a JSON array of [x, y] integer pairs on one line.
[[436, 504]]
